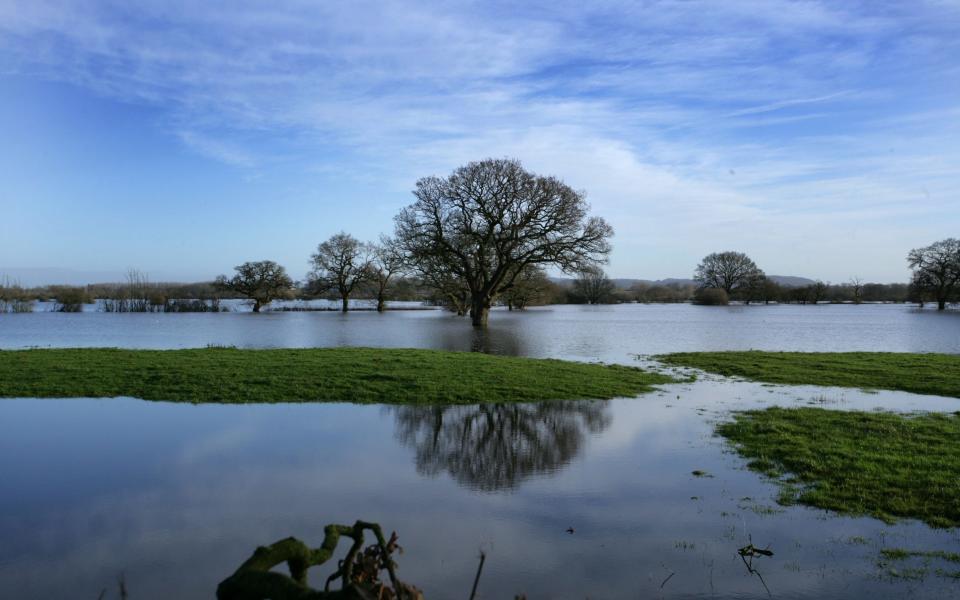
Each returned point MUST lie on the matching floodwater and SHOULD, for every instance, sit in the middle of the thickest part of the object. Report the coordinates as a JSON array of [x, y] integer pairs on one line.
[[613, 333], [173, 497]]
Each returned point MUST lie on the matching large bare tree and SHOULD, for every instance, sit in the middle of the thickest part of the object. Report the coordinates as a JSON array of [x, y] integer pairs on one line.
[[262, 281], [489, 220], [727, 271], [936, 269], [341, 263]]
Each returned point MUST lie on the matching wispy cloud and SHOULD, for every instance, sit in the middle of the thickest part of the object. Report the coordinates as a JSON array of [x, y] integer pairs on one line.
[[753, 110], [675, 116]]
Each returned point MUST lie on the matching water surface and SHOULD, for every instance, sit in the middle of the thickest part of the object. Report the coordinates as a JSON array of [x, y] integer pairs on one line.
[[612, 333], [175, 496]]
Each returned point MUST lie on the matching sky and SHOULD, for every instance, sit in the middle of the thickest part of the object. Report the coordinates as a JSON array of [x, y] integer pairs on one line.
[[183, 138]]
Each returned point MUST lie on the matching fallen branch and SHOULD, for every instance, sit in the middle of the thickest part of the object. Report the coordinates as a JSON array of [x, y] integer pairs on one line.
[[358, 572]]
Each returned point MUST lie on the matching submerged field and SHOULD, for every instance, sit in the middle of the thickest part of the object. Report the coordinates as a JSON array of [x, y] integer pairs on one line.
[[389, 376], [124, 485], [935, 374], [881, 464]]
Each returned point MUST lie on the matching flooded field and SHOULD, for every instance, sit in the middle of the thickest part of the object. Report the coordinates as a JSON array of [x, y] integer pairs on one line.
[[609, 333], [174, 496]]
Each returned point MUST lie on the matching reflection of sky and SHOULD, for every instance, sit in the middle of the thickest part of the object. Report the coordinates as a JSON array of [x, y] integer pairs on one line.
[[607, 333], [175, 496]]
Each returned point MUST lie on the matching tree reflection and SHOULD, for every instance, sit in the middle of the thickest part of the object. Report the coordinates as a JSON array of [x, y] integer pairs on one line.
[[497, 446], [497, 339]]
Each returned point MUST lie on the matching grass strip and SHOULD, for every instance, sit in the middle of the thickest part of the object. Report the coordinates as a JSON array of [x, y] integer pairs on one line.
[[937, 374], [881, 464], [362, 375]]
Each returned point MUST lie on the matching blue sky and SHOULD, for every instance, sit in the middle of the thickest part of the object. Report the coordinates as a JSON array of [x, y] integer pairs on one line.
[[183, 138]]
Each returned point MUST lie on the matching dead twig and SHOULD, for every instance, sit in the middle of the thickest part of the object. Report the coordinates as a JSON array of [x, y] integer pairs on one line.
[[664, 582], [748, 553], [476, 580]]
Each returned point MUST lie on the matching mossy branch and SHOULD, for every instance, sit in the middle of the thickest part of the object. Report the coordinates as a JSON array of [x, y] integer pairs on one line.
[[254, 579]]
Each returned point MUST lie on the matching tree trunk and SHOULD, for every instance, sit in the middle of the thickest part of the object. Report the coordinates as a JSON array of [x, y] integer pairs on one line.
[[256, 306], [381, 303], [458, 304], [941, 304], [344, 303], [479, 311]]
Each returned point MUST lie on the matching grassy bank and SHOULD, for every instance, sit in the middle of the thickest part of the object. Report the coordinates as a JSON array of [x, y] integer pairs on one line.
[[884, 465], [335, 374], [937, 374]]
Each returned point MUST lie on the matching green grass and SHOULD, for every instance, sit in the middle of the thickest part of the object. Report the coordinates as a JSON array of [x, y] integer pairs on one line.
[[336, 374], [937, 374], [881, 464]]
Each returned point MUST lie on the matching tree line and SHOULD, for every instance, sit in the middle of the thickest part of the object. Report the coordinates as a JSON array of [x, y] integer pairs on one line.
[[486, 235], [481, 236], [935, 277]]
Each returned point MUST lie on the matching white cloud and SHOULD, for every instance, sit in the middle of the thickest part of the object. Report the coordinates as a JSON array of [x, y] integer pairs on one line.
[[690, 124]]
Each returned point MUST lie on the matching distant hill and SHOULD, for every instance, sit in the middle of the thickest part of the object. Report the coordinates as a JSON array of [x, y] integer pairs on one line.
[[790, 280]]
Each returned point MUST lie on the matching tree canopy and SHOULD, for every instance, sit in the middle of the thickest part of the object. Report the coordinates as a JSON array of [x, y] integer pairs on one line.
[[341, 263], [262, 281], [489, 220], [936, 270], [727, 271]]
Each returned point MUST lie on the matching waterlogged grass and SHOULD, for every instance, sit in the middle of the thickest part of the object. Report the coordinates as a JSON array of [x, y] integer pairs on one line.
[[885, 465], [917, 564], [903, 554], [937, 374], [362, 375]]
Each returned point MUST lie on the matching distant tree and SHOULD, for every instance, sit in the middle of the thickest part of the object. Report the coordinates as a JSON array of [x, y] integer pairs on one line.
[[885, 292], [593, 286], [14, 297], [262, 281], [341, 263], [135, 294], [711, 297], [771, 291], [386, 261], [936, 269], [856, 285], [754, 289], [818, 291], [668, 292], [70, 298], [529, 288], [727, 271], [798, 295], [489, 220]]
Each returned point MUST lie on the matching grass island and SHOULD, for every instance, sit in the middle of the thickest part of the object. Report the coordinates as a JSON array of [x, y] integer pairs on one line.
[[882, 464], [937, 374], [360, 375]]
